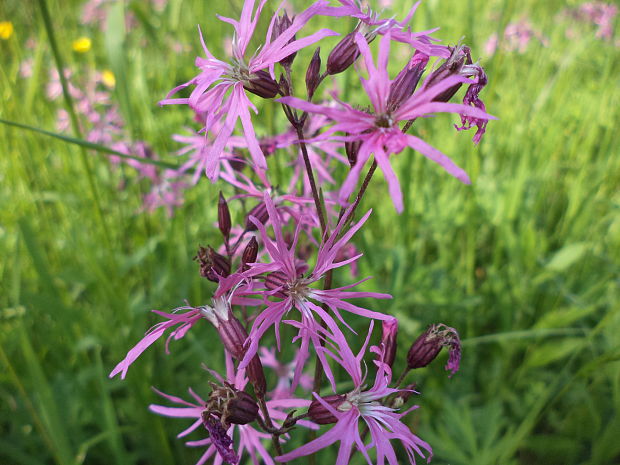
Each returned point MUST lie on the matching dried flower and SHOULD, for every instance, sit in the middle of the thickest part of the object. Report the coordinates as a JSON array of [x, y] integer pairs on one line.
[[428, 345], [213, 266]]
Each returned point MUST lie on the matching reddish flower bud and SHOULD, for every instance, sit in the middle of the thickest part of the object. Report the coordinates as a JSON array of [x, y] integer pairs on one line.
[[320, 415], [352, 148], [313, 72], [223, 216], [260, 213], [262, 84], [249, 254], [276, 280], [212, 264], [343, 55], [389, 340], [406, 81], [428, 345], [256, 375], [282, 24]]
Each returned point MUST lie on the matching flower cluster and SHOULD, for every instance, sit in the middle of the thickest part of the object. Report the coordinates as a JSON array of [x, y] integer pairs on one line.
[[278, 275]]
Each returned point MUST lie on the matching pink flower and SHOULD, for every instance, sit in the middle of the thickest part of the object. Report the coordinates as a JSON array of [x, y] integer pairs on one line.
[[183, 322], [379, 132], [285, 373], [370, 25], [211, 95], [248, 439], [295, 291], [383, 422], [182, 319], [601, 14]]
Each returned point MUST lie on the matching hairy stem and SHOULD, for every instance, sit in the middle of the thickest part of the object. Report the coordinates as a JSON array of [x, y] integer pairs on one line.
[[275, 437]]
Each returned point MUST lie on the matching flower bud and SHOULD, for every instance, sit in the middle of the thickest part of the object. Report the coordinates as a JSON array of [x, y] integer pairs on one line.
[[343, 54], [260, 213], [428, 345], [256, 374], [389, 340], [352, 148], [406, 81], [250, 253], [223, 216], [234, 336], [261, 84], [313, 72], [212, 264], [320, 415], [282, 24]]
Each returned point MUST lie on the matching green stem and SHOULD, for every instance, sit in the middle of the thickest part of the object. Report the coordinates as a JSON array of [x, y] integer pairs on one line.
[[73, 115]]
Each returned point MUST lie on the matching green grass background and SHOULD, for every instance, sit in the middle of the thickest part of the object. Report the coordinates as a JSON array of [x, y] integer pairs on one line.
[[524, 262]]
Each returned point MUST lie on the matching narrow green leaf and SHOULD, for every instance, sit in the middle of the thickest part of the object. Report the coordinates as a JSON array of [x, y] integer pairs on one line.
[[89, 145]]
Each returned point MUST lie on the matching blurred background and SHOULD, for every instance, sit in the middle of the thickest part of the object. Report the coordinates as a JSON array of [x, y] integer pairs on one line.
[[524, 262]]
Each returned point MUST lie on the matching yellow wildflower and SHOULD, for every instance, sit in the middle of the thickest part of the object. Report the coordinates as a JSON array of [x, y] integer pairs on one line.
[[108, 79], [6, 30], [82, 45]]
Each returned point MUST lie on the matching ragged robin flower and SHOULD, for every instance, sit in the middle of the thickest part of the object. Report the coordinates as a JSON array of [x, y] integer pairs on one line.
[[362, 405], [220, 88], [379, 130], [292, 290]]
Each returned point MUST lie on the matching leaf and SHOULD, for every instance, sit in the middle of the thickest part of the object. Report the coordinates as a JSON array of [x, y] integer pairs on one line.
[[89, 145], [567, 256]]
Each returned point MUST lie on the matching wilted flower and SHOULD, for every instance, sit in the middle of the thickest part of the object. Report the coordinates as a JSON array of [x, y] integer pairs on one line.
[[428, 345], [248, 439]]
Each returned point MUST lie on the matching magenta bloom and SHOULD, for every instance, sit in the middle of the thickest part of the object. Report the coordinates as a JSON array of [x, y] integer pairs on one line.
[[384, 423], [294, 291], [220, 92], [379, 131], [286, 374], [371, 25], [181, 320]]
